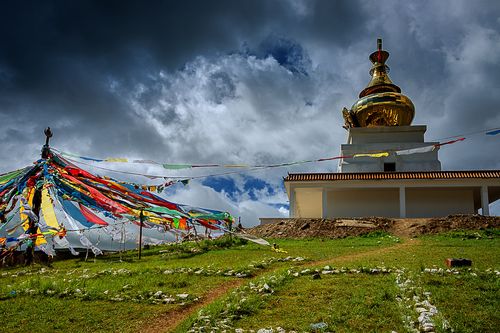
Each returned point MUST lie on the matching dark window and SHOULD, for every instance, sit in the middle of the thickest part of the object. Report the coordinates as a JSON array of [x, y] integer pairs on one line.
[[389, 167]]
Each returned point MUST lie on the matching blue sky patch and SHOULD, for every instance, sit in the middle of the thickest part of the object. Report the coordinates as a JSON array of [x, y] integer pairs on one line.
[[225, 184], [228, 185]]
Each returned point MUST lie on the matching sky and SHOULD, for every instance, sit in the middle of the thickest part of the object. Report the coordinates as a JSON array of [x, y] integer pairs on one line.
[[238, 82]]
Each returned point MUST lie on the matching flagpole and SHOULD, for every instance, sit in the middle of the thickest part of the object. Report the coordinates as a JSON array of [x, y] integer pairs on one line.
[[141, 217], [37, 202]]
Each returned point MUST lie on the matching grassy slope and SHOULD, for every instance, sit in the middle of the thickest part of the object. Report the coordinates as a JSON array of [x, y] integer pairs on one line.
[[48, 298], [360, 302], [346, 302], [364, 303]]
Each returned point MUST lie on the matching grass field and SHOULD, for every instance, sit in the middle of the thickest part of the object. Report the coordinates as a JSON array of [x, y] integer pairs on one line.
[[376, 283]]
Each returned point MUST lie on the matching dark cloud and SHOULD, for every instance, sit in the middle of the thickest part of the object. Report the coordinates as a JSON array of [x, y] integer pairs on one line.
[[238, 81], [287, 53], [59, 58]]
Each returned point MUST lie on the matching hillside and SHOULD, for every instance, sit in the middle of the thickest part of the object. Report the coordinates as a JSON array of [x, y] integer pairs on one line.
[[340, 228]]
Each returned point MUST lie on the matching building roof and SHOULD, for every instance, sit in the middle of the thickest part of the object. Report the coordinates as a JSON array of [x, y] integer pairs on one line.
[[473, 174]]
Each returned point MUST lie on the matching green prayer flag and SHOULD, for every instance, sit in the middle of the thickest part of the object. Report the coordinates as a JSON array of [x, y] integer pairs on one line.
[[8, 176], [165, 210], [177, 166], [215, 216]]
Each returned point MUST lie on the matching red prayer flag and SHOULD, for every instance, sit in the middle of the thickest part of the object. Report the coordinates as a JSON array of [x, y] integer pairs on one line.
[[91, 217]]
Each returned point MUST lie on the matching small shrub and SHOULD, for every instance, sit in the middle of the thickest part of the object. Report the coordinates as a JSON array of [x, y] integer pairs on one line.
[[375, 234]]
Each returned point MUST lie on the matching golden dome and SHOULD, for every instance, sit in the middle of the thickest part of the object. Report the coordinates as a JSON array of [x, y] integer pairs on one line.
[[381, 102]]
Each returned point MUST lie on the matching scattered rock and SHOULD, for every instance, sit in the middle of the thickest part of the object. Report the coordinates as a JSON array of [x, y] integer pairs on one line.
[[319, 326], [265, 330], [305, 226]]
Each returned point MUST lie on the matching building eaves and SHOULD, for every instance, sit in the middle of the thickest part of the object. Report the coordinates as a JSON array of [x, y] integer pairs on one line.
[[473, 174]]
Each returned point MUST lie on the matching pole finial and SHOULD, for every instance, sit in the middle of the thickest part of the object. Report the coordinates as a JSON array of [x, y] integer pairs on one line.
[[379, 44], [45, 149], [48, 132]]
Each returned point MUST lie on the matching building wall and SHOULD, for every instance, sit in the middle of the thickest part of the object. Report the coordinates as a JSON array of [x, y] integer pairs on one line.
[[392, 138], [358, 198], [357, 202], [438, 202], [308, 203], [387, 134]]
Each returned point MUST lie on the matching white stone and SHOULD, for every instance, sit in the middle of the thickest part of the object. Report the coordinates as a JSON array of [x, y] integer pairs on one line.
[[265, 330], [428, 327], [168, 300]]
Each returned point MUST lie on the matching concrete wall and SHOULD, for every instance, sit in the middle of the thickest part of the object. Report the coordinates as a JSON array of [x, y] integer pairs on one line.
[[390, 138], [388, 134], [308, 203], [438, 202], [363, 202]]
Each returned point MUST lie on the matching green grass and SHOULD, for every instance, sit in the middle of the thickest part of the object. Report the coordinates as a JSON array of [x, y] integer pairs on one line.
[[46, 314], [361, 303], [469, 302], [432, 251], [121, 293]]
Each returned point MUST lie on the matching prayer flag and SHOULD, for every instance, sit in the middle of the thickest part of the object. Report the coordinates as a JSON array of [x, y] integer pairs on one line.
[[416, 150], [91, 217], [118, 160], [384, 154], [495, 132], [49, 215], [450, 142], [177, 166]]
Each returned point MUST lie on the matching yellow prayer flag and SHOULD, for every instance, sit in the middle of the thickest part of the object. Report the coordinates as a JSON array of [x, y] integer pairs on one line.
[[49, 215], [384, 154], [120, 160], [39, 240]]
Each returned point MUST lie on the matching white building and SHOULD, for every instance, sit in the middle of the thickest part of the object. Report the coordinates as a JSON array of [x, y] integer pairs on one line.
[[398, 174]]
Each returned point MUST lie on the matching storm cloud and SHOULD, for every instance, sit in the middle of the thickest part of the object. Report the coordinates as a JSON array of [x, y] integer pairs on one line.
[[238, 82]]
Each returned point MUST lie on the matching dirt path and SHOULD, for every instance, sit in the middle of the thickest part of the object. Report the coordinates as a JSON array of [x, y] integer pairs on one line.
[[407, 227], [168, 321]]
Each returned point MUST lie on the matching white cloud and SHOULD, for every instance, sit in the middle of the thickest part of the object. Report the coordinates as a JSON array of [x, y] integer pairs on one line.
[[249, 210], [256, 111]]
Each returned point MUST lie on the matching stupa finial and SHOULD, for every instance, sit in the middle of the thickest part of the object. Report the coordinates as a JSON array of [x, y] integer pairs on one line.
[[381, 102]]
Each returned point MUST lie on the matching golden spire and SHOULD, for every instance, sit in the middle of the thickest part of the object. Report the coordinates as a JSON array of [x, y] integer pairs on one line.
[[381, 102], [380, 81]]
